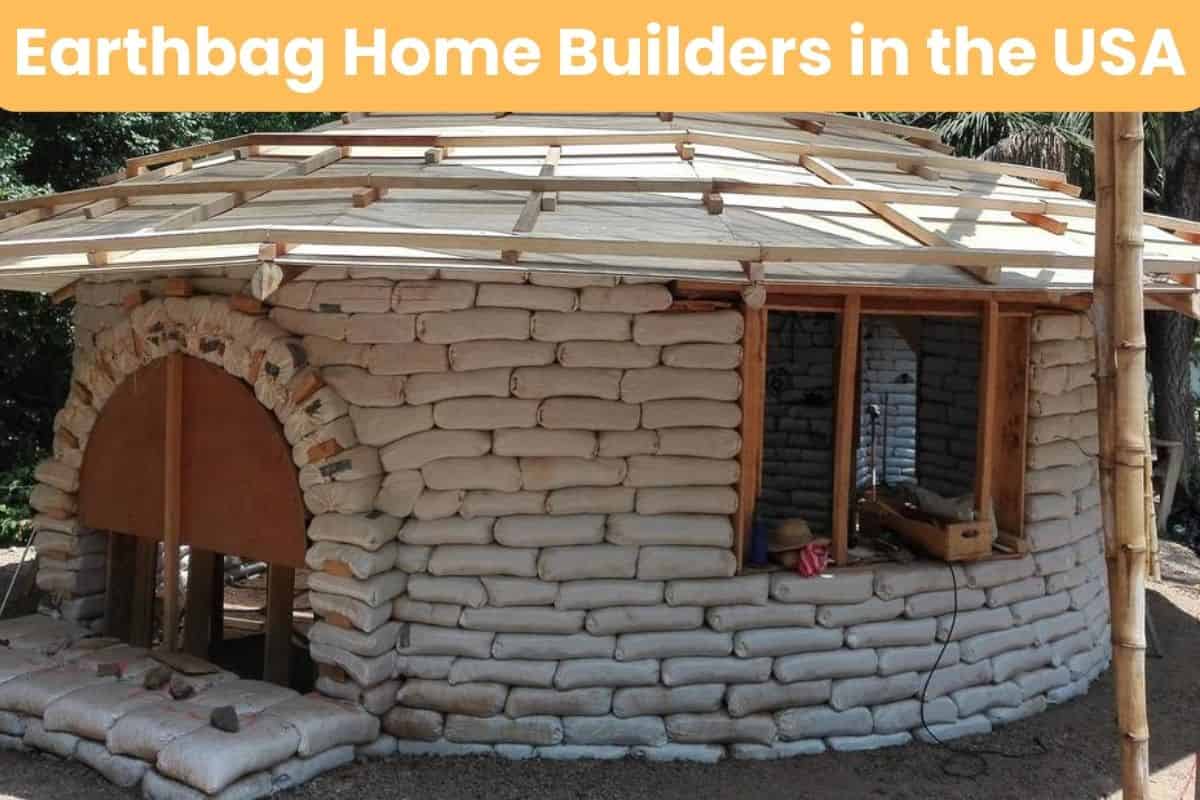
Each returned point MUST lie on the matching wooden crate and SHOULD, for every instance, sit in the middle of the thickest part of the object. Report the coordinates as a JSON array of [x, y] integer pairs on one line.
[[948, 541]]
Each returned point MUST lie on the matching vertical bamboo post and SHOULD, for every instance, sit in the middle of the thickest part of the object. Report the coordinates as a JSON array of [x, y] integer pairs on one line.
[[172, 491], [1119, 143]]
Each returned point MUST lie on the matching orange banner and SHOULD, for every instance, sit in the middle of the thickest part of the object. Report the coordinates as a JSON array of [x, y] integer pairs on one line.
[[123, 55]]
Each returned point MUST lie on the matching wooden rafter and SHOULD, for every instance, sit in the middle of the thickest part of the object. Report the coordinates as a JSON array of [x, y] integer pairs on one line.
[[898, 219], [896, 257], [675, 136], [527, 220]]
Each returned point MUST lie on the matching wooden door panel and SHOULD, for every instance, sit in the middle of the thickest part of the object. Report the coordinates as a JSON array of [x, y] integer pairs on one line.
[[240, 493]]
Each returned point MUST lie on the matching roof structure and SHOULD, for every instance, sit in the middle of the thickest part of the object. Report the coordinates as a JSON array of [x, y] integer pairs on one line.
[[781, 199]]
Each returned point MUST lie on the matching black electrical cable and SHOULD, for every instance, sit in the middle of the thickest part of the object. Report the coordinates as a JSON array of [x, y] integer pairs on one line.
[[958, 752]]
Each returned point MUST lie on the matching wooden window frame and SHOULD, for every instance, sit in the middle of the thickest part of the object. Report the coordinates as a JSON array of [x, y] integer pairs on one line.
[[1001, 423]]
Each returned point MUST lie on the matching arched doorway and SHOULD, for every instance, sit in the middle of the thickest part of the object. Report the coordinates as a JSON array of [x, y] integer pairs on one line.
[[238, 495]]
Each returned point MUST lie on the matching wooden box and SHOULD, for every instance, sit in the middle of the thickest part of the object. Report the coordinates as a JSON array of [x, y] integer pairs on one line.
[[948, 541]]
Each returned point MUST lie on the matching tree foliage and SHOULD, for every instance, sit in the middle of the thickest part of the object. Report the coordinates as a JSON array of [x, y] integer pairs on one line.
[[41, 153]]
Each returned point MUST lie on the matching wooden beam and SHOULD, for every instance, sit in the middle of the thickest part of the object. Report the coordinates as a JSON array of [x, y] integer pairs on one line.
[[102, 207], [906, 224], [277, 657], [713, 202], [845, 415], [26, 217], [362, 236], [753, 372], [527, 219], [846, 121], [1055, 226], [1009, 431], [435, 155], [686, 151], [365, 197], [172, 498], [988, 406]]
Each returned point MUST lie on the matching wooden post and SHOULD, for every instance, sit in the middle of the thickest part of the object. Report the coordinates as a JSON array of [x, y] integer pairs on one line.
[[843, 427], [277, 655], [205, 585], [172, 492], [989, 366], [754, 378], [1119, 153]]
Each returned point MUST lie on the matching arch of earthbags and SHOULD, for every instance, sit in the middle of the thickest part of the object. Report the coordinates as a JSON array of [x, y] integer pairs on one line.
[[252, 348]]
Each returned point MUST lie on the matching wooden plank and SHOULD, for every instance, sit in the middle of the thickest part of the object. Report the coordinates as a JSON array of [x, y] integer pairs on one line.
[[906, 224], [1049, 224], [172, 498], [845, 416], [754, 374], [1009, 429], [26, 217], [534, 204], [121, 567], [102, 207], [204, 587], [277, 657], [989, 388]]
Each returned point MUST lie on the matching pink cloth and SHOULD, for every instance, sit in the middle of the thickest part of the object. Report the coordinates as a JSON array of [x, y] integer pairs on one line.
[[814, 558]]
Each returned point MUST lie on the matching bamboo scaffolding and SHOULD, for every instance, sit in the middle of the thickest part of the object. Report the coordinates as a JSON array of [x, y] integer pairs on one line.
[[1121, 351]]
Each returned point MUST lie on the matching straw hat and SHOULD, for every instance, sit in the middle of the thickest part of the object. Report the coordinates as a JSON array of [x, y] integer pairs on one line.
[[791, 534]]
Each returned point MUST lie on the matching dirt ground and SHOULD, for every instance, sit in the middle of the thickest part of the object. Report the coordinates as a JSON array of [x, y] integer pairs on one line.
[[1080, 737]]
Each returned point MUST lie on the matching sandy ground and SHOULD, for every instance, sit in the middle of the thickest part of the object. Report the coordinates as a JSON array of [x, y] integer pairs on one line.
[[1082, 759]]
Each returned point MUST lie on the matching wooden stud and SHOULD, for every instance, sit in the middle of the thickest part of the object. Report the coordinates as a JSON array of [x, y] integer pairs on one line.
[[809, 126], [365, 197], [666, 116], [921, 171], [435, 155], [686, 150], [172, 498], [510, 257], [753, 373], [177, 287], [281, 582], [102, 207], [245, 304], [843, 427], [550, 201], [713, 202], [1059, 186], [350, 117], [989, 387], [912, 226], [1055, 226], [1009, 430]]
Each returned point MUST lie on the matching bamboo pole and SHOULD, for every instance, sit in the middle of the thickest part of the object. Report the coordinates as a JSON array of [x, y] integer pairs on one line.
[[1122, 363]]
